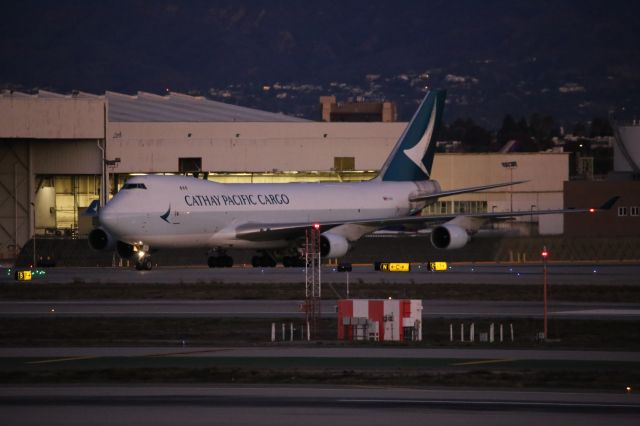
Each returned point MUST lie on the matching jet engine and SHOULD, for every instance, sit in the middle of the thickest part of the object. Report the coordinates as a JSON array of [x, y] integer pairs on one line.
[[449, 237], [332, 245], [99, 239]]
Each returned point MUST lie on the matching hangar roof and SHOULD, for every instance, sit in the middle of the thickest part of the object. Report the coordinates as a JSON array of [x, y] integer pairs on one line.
[[171, 108], [177, 107]]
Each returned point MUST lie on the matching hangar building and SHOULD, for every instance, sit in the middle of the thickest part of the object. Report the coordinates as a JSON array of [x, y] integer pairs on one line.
[[58, 151]]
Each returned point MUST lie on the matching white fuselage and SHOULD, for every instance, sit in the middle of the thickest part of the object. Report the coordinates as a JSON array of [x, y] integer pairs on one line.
[[179, 211]]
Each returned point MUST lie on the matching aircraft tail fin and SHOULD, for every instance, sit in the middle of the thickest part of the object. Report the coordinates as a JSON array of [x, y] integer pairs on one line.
[[92, 210], [412, 157]]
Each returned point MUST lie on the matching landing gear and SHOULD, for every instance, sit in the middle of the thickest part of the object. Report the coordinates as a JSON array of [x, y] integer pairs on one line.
[[222, 261], [292, 262], [263, 261], [267, 259], [144, 264]]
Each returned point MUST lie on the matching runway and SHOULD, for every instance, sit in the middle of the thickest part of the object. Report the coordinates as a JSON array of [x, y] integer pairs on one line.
[[292, 309], [71, 355], [559, 274], [309, 405]]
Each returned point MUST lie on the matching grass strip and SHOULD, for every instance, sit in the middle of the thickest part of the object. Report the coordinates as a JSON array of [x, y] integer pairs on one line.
[[287, 291]]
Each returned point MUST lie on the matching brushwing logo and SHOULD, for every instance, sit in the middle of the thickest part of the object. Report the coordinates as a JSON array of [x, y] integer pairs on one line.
[[416, 153], [165, 216]]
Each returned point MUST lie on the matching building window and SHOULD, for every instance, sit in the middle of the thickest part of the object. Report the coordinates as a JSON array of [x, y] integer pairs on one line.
[[342, 164], [622, 211], [469, 207], [634, 210], [190, 165]]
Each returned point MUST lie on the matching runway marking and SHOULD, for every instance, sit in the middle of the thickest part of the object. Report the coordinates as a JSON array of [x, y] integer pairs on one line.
[[159, 355], [485, 361], [71, 358], [600, 312], [495, 403]]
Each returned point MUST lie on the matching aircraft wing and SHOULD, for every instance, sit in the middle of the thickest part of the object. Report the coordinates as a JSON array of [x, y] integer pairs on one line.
[[287, 231], [424, 197]]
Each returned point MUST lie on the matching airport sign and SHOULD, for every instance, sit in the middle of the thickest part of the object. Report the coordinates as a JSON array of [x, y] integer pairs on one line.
[[393, 266], [437, 266], [23, 275]]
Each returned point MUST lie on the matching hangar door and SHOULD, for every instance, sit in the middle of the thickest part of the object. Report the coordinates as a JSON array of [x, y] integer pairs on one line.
[[15, 207]]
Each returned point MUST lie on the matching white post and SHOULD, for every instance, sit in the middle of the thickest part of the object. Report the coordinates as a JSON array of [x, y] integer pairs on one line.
[[472, 333], [462, 332], [450, 332], [491, 333], [283, 333], [291, 334], [511, 327], [273, 331], [347, 284], [308, 331], [501, 335]]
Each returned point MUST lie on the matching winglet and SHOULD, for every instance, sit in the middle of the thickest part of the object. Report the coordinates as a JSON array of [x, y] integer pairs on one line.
[[609, 203], [92, 210]]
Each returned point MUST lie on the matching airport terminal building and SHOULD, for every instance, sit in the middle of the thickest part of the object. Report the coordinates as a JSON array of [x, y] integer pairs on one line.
[[57, 152]]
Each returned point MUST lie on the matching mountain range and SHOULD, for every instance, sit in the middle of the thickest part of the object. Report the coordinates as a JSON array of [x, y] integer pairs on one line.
[[570, 59]]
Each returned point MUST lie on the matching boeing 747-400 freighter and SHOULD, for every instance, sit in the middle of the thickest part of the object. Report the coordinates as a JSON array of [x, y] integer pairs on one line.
[[156, 212]]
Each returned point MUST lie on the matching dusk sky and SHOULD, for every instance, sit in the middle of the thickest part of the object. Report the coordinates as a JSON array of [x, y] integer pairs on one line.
[[572, 59]]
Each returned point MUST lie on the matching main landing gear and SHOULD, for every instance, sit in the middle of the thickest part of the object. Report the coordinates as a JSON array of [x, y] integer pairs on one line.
[[221, 261], [293, 262], [263, 261], [268, 260]]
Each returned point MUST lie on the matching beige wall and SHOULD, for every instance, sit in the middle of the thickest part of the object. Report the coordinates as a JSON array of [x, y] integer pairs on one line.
[[66, 157], [257, 147], [23, 116], [545, 173]]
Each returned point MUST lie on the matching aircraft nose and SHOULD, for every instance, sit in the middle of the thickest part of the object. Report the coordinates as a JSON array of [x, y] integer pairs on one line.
[[108, 218]]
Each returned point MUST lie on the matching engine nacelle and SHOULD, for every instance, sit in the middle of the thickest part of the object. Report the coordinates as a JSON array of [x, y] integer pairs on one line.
[[332, 245], [449, 237], [99, 239]]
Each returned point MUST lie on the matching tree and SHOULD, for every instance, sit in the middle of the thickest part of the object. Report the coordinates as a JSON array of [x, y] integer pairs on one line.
[[600, 127]]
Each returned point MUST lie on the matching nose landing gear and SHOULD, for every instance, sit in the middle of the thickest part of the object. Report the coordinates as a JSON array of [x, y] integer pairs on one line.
[[144, 263]]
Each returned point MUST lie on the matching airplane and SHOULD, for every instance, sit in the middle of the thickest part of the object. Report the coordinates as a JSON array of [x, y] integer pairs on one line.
[[155, 212]]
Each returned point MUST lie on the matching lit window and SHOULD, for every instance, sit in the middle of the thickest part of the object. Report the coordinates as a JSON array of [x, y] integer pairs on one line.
[[622, 211], [634, 210]]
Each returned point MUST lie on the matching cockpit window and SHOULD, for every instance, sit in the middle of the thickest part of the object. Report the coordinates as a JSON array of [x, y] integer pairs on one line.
[[134, 185]]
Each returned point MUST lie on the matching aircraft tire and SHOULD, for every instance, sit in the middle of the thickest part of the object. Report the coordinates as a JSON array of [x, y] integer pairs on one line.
[[144, 264], [147, 264]]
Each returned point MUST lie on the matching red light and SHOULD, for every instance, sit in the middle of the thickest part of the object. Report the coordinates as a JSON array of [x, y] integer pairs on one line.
[[316, 225], [545, 253], [592, 210]]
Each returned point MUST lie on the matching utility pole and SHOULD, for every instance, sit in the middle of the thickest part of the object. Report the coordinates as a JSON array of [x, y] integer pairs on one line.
[[313, 284], [34, 234], [544, 254], [510, 165]]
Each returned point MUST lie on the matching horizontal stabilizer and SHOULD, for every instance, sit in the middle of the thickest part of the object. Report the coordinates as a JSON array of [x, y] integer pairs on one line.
[[609, 203]]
